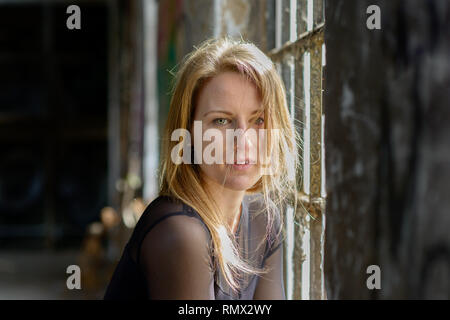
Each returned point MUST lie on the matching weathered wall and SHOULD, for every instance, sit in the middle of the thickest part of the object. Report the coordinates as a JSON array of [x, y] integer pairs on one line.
[[386, 103]]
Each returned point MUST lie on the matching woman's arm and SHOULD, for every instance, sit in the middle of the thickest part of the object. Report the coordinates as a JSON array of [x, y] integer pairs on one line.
[[176, 261], [271, 285]]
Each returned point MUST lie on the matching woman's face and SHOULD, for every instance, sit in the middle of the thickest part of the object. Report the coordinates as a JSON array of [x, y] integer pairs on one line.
[[230, 101]]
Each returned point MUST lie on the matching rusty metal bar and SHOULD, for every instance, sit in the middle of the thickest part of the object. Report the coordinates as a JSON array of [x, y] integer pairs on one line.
[[304, 43], [315, 224], [299, 113]]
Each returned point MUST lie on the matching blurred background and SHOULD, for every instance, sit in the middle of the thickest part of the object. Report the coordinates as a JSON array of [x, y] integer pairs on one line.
[[82, 111]]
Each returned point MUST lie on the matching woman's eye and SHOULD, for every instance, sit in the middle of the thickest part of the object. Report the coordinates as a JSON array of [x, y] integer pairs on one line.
[[259, 121], [221, 121]]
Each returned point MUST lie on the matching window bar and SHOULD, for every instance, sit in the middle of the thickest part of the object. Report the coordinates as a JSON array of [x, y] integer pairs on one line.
[[323, 193], [293, 20], [306, 174], [287, 74], [315, 224], [278, 23], [289, 255], [300, 222], [310, 19]]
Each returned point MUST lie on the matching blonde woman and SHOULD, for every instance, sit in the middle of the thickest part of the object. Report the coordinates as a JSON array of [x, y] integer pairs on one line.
[[215, 231]]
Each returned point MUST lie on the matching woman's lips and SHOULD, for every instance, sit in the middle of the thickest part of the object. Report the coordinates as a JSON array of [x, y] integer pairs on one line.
[[244, 166]]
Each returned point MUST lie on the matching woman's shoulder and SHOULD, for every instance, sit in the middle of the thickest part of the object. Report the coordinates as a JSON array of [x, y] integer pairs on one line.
[[164, 207], [168, 222], [164, 204]]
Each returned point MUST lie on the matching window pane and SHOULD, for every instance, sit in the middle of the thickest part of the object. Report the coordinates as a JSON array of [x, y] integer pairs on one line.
[[302, 16], [318, 14]]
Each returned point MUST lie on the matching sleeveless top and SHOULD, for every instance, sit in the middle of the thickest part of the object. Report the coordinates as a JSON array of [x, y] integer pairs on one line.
[[170, 251]]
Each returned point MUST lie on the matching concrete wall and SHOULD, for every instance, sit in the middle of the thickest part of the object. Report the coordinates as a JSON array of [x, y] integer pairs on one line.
[[387, 135]]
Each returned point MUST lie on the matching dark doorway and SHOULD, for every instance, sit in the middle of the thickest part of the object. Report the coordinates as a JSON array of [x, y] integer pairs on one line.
[[53, 123]]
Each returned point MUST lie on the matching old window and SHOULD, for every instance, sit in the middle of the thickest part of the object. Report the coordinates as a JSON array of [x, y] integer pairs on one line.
[[299, 52]]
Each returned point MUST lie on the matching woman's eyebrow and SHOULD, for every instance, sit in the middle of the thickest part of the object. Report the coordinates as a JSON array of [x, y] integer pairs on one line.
[[217, 111], [229, 113]]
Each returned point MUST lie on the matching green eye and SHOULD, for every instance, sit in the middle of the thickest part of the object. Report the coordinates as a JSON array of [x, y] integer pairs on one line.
[[259, 121], [221, 121]]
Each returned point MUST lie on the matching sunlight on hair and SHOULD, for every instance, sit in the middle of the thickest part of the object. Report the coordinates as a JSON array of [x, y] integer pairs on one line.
[[228, 252], [210, 59]]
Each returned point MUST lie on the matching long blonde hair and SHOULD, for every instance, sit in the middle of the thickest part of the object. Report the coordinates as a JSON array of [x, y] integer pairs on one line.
[[184, 182]]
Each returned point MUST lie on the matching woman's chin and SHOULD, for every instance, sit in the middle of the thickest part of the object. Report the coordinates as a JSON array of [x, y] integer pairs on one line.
[[239, 183], [237, 180]]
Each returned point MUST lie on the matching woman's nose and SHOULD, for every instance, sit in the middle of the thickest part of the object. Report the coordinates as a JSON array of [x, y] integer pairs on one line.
[[243, 138], [241, 128], [244, 144]]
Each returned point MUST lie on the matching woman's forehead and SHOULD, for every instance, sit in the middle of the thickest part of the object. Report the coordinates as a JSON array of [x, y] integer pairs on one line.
[[229, 91]]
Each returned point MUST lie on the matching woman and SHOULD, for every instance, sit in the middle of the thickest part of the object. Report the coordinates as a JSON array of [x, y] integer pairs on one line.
[[215, 231]]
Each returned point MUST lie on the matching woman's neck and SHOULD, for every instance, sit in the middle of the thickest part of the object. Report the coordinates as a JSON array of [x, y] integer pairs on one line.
[[229, 202]]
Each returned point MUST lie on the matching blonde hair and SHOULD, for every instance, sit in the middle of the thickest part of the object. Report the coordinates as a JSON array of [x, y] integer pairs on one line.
[[184, 182]]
